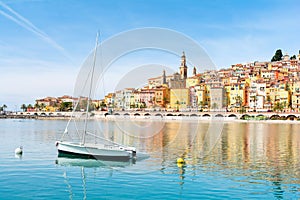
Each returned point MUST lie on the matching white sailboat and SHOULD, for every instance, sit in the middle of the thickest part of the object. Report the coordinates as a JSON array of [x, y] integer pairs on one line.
[[107, 150]]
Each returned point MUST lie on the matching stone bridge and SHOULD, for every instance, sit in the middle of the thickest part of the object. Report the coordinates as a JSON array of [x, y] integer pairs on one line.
[[257, 115]]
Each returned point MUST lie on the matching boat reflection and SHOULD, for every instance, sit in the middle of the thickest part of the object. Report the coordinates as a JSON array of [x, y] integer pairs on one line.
[[93, 163]]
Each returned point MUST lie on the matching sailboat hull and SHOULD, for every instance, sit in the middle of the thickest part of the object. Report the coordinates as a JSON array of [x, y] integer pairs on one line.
[[92, 151]]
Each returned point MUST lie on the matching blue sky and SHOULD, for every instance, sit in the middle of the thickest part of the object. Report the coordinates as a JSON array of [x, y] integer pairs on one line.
[[44, 42]]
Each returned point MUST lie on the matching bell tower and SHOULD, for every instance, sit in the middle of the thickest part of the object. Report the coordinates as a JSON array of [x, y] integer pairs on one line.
[[164, 79], [194, 71], [183, 67]]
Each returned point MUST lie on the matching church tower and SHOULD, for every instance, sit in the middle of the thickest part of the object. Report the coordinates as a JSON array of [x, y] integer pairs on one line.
[[164, 81], [183, 67], [194, 71]]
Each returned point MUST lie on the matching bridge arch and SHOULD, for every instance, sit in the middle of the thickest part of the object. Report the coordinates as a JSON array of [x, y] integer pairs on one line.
[[147, 114], [206, 115], [275, 117], [137, 114], [180, 115], [219, 115], [233, 115], [170, 114], [126, 114], [193, 115], [116, 114], [291, 117], [261, 117], [245, 116], [158, 114]]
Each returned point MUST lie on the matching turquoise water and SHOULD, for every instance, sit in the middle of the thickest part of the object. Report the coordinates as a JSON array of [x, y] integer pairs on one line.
[[249, 161]]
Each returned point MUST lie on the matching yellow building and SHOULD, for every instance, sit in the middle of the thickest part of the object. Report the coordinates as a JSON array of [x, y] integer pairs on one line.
[[236, 96], [225, 80], [192, 81], [202, 94], [279, 94], [109, 99], [162, 96], [179, 98], [295, 95]]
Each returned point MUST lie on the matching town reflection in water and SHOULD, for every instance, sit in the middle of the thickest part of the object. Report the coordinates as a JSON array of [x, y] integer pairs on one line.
[[264, 151]]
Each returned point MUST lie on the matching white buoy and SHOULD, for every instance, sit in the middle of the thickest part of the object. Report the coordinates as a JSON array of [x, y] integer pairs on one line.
[[19, 150]]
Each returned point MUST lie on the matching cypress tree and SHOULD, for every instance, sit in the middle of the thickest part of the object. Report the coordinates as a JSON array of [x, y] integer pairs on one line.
[[278, 55]]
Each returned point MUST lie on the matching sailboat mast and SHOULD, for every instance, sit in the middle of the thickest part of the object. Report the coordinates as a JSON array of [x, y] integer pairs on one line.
[[90, 91]]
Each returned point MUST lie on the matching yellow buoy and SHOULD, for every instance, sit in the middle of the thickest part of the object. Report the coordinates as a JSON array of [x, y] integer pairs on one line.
[[180, 160], [179, 165]]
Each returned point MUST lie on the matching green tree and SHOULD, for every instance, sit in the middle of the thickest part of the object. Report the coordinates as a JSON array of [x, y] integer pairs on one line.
[[177, 105], [239, 101], [214, 106], [242, 110], [201, 106], [97, 107], [29, 106], [65, 106], [37, 106], [143, 105], [103, 105], [91, 106], [288, 88], [23, 107], [278, 106], [268, 99], [4, 107], [42, 106], [278, 55]]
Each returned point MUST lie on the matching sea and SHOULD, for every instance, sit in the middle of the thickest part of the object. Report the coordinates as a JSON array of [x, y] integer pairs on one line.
[[222, 160]]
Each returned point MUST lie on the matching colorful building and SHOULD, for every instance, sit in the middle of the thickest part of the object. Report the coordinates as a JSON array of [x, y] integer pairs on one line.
[[179, 98]]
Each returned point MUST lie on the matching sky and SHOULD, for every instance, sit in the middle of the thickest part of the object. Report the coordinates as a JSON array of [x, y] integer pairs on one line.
[[43, 43]]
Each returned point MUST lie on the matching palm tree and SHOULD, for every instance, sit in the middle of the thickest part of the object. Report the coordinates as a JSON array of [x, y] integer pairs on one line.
[[278, 106], [37, 106], [284, 105], [42, 106], [29, 106], [4, 107], [23, 107], [268, 102]]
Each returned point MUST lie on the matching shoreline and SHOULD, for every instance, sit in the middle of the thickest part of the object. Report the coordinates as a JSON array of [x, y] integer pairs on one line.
[[104, 117], [191, 119]]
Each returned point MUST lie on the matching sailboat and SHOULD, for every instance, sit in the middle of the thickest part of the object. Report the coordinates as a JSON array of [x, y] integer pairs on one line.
[[105, 150]]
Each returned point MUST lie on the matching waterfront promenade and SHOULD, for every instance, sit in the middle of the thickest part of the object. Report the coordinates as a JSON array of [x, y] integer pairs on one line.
[[159, 114]]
